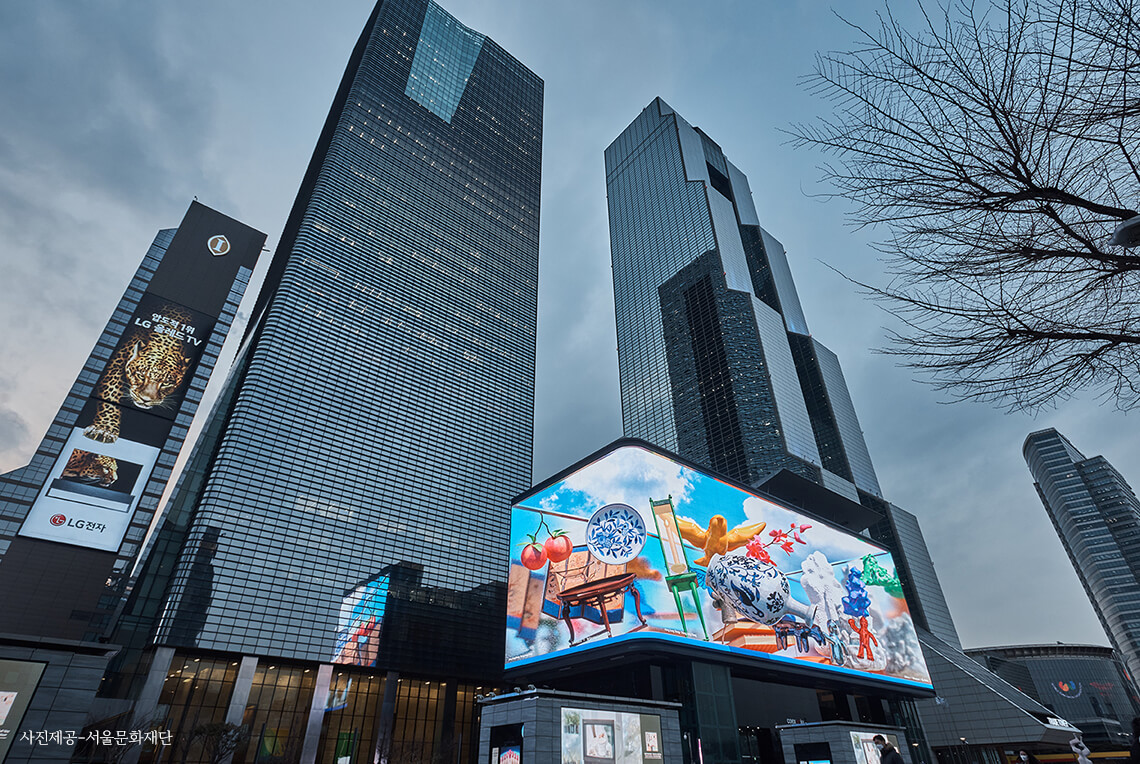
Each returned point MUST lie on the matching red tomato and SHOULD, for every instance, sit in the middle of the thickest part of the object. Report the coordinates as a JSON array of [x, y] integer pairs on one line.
[[533, 556], [558, 547]]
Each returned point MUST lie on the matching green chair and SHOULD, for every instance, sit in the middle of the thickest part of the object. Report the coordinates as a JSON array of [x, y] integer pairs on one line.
[[679, 578]]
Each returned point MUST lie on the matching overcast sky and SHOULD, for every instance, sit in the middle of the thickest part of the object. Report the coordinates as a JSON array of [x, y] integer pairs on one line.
[[114, 115]]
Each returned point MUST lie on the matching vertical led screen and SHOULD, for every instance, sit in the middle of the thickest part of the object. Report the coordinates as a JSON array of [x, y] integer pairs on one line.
[[636, 545], [361, 621], [93, 489], [95, 484]]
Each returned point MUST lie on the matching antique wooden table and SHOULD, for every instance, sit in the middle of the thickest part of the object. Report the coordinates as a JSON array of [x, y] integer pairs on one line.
[[595, 593]]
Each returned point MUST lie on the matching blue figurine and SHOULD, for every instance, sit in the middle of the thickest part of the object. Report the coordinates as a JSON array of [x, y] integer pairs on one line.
[[788, 628], [784, 628], [856, 603], [815, 633], [835, 640]]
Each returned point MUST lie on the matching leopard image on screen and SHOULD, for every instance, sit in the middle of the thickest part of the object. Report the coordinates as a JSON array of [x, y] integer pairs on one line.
[[148, 367]]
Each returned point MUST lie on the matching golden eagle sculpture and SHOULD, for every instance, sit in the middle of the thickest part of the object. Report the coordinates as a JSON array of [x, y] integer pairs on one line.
[[717, 538]]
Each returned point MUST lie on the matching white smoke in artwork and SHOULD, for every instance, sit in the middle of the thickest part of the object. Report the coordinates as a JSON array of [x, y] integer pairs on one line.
[[822, 588], [516, 645], [900, 644], [826, 593], [548, 637]]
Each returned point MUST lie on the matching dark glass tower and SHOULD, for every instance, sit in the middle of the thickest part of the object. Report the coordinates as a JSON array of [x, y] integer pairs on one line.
[[87, 571], [715, 358], [716, 362], [1097, 516], [20, 487], [340, 536]]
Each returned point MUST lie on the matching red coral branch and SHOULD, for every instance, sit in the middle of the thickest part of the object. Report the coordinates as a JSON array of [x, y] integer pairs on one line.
[[786, 540]]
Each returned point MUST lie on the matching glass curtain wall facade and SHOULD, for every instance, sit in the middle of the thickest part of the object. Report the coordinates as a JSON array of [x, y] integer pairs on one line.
[[349, 506], [715, 358], [716, 362], [1097, 516]]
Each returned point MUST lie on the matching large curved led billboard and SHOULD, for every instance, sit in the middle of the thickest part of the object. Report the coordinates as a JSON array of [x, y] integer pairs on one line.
[[635, 545]]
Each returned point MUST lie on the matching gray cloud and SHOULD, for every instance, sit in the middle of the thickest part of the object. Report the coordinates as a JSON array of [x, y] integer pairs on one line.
[[13, 431], [142, 125]]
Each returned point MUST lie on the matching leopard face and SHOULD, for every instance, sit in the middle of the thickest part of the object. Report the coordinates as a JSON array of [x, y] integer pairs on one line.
[[153, 371], [89, 468], [146, 369]]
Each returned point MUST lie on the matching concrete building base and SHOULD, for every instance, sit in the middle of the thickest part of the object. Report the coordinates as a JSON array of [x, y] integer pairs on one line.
[[805, 742]]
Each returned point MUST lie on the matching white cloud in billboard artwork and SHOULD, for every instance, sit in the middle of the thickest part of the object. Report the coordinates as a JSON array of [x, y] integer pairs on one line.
[[516, 646], [822, 587], [632, 476], [555, 502]]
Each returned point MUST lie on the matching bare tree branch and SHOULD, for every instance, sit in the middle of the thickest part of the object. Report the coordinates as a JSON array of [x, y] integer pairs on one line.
[[996, 146]]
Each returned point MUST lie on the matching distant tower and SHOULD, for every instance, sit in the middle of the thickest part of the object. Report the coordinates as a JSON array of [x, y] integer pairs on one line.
[[1097, 516]]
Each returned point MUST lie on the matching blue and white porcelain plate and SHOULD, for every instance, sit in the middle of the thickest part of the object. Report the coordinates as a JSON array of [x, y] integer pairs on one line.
[[615, 534]]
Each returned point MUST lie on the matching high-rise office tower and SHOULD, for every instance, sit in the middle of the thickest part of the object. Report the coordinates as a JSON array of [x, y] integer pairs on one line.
[[1097, 516], [715, 358], [330, 574], [72, 522], [716, 363]]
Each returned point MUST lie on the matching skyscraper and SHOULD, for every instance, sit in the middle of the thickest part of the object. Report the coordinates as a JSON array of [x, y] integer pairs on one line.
[[716, 362], [715, 358], [72, 522], [332, 558], [1097, 516]]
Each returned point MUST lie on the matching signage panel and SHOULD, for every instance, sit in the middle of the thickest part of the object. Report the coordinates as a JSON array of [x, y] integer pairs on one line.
[[636, 546], [96, 483], [590, 736], [18, 681]]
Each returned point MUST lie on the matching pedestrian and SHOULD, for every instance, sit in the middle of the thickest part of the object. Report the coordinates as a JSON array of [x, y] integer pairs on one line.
[[888, 754], [1027, 758]]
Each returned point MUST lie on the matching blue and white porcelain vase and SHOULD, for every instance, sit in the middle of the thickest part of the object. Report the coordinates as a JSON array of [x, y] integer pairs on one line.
[[758, 590]]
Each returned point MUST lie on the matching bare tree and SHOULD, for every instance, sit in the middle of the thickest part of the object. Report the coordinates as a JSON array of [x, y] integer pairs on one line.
[[997, 146]]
